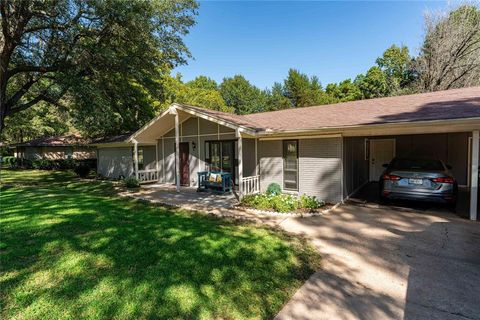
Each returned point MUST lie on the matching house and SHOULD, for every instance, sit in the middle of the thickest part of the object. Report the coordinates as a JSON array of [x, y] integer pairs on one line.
[[54, 148], [328, 151]]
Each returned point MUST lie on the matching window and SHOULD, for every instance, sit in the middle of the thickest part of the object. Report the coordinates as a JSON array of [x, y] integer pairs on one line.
[[290, 165]]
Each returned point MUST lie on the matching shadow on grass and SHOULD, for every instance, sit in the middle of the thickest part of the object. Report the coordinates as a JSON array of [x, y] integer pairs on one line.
[[73, 250]]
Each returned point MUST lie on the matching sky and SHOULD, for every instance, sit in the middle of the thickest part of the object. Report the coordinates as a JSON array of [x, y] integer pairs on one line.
[[332, 40]]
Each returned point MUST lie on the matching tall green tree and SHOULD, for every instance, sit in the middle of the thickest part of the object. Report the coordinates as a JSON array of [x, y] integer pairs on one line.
[[396, 63], [343, 91], [373, 84], [77, 52], [242, 96], [302, 90], [275, 98], [201, 92], [203, 82], [42, 119]]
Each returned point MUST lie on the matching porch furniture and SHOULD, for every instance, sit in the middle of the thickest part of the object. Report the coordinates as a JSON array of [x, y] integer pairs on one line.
[[214, 180]]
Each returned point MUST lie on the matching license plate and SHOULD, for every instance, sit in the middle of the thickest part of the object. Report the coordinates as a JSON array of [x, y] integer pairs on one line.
[[415, 181]]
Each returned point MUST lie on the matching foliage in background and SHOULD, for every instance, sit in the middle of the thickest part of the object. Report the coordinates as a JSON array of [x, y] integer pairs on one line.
[[121, 86], [201, 91], [243, 97], [450, 55], [99, 57], [41, 120]]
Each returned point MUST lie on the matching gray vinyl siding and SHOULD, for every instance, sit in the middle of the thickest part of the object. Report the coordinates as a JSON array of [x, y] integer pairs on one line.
[[320, 168], [270, 163], [248, 157], [149, 157], [115, 162], [169, 147], [355, 164]]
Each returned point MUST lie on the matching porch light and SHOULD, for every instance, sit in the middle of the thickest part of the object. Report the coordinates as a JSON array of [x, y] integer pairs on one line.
[[194, 145]]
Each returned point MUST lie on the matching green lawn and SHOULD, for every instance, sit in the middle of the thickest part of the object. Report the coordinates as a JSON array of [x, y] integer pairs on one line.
[[72, 249]]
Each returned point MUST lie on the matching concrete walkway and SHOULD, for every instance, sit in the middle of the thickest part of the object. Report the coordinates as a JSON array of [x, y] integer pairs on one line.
[[389, 264]]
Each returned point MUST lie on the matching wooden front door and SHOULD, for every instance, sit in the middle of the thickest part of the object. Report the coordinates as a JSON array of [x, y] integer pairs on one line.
[[184, 164]]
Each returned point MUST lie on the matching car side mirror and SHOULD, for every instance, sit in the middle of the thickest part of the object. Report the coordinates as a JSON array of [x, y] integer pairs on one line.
[[385, 165], [449, 167]]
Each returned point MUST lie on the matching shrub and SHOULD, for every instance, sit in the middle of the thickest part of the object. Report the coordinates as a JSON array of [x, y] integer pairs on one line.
[[12, 162], [284, 203], [82, 170], [310, 202], [281, 202], [131, 182], [274, 189]]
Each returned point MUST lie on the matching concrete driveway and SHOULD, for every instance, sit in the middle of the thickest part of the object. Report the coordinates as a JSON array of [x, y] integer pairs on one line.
[[382, 263]]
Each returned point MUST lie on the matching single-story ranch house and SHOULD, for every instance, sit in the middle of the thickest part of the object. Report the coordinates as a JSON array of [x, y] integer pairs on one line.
[[328, 151], [54, 148]]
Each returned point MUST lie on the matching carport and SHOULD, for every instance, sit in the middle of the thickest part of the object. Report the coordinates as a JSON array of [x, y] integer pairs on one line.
[[448, 140]]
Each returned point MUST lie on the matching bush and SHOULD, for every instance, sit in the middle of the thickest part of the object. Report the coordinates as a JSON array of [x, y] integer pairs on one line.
[[131, 182], [281, 202], [274, 189], [284, 203], [10, 161], [310, 203], [82, 170]]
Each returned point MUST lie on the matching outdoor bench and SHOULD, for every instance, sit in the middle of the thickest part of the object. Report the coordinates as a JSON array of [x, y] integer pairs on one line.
[[214, 180]]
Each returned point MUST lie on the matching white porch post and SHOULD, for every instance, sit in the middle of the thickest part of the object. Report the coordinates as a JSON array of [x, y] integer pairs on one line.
[[256, 157], [157, 165], [177, 152], [135, 157], [474, 177], [240, 161]]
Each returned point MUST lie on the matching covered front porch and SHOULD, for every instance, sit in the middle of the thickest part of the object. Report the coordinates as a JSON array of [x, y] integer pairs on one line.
[[178, 146]]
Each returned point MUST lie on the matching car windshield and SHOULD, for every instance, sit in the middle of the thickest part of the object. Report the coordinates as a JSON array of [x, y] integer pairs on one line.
[[417, 164]]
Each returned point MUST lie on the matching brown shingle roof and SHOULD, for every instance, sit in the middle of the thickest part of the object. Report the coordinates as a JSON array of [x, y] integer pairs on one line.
[[440, 105], [57, 141], [111, 139]]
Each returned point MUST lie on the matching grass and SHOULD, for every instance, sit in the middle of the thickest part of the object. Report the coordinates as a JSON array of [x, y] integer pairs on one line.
[[73, 249]]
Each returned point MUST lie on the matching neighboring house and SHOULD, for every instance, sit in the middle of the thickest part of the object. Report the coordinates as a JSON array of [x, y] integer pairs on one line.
[[59, 147], [328, 151]]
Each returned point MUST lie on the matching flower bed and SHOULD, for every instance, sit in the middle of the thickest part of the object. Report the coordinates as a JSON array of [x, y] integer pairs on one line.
[[282, 202]]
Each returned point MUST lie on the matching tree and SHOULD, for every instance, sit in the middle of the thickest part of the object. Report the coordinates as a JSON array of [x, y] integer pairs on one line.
[[199, 92], [203, 82], [450, 55], [53, 49], [301, 90], [242, 96], [374, 84], [41, 120], [396, 63], [344, 91], [275, 99]]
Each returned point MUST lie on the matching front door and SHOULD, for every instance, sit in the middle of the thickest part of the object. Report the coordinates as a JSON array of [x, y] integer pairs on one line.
[[381, 151], [184, 164]]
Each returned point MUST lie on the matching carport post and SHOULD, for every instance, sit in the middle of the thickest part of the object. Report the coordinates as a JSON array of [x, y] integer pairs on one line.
[[474, 178]]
